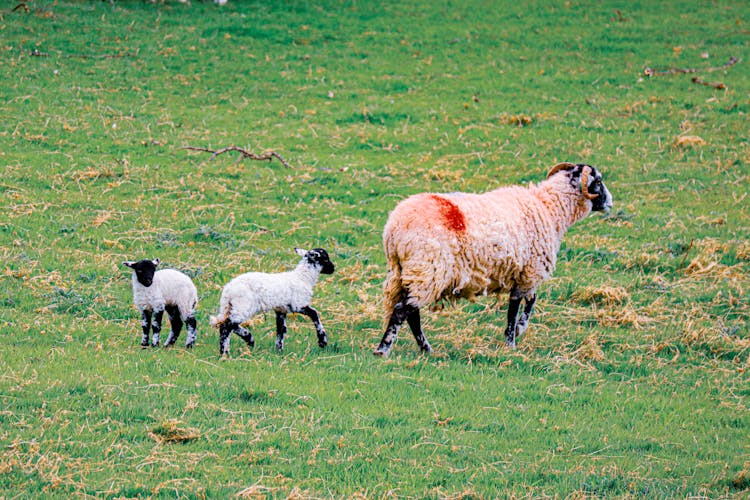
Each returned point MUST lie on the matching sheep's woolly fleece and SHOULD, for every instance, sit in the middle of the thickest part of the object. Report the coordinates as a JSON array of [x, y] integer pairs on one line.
[[251, 293], [170, 287], [456, 245]]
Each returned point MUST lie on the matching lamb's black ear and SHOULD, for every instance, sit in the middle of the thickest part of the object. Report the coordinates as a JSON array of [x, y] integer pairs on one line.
[[300, 251], [128, 263]]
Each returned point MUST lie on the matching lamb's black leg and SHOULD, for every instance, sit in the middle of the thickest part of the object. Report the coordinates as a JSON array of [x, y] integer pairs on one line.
[[280, 330], [401, 312], [245, 335], [175, 325], [146, 326], [191, 332], [156, 327], [523, 321], [225, 332], [414, 322], [315, 317], [510, 332]]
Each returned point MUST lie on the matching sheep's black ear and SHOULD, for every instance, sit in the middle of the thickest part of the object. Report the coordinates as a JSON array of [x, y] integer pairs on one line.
[[128, 263], [301, 252]]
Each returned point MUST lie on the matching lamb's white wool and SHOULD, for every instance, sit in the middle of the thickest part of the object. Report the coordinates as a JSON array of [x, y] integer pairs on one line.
[[169, 287], [166, 290], [288, 292], [454, 245]]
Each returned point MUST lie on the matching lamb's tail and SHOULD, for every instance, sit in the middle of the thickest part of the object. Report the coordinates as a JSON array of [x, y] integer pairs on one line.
[[222, 317]]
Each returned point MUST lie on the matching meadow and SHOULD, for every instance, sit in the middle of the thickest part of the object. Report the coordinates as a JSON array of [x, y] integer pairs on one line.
[[632, 380]]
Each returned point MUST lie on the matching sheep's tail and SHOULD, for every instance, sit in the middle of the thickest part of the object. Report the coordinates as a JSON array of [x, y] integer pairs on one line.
[[393, 289], [222, 317]]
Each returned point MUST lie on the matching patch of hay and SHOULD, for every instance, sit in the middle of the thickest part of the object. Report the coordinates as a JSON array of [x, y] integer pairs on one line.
[[170, 431], [590, 350], [622, 316], [605, 295], [689, 141], [519, 120]]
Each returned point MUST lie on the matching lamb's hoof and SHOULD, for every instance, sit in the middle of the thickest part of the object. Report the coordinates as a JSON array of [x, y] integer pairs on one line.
[[144, 346], [381, 352], [190, 346], [511, 344], [322, 343], [426, 349]]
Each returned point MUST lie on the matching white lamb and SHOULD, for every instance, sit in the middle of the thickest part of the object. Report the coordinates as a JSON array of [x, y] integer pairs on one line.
[[289, 292], [167, 290]]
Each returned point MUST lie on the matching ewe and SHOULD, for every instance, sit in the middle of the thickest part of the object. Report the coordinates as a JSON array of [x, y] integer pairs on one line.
[[458, 245], [289, 292], [156, 291]]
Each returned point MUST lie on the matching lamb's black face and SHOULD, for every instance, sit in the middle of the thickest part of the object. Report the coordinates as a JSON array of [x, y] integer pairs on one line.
[[603, 202], [320, 257], [144, 270]]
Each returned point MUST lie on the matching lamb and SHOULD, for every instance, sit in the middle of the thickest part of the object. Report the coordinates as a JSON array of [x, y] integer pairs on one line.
[[459, 245], [289, 292], [156, 291]]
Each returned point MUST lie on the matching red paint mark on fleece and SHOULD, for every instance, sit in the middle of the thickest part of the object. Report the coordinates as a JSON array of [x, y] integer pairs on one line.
[[451, 216]]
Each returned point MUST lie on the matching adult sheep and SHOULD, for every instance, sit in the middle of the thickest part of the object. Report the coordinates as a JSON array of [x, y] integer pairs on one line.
[[459, 245]]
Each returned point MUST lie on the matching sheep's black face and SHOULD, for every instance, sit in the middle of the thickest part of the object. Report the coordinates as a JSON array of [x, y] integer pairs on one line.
[[603, 200], [319, 257], [144, 270]]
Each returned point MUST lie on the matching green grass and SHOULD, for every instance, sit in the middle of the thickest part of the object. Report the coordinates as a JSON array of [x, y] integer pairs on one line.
[[632, 380]]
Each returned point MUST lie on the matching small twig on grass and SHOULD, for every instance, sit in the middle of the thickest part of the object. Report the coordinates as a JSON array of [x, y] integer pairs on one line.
[[38, 53], [23, 6], [673, 71], [687, 251], [268, 155], [716, 85]]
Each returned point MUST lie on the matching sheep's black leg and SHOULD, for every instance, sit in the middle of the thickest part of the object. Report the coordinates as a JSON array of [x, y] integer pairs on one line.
[[156, 327], [315, 317], [175, 325], [245, 335], [225, 332], [414, 322], [280, 330], [523, 321], [146, 326], [191, 333], [510, 332], [401, 312]]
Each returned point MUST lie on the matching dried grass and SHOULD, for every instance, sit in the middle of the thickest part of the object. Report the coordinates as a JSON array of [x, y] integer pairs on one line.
[[604, 295], [170, 431], [590, 350], [622, 317], [689, 141]]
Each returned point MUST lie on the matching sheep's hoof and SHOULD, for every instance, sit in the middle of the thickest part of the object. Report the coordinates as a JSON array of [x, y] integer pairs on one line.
[[426, 349], [381, 352], [190, 346]]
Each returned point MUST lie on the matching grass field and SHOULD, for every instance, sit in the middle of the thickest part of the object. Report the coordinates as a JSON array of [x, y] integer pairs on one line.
[[632, 380]]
